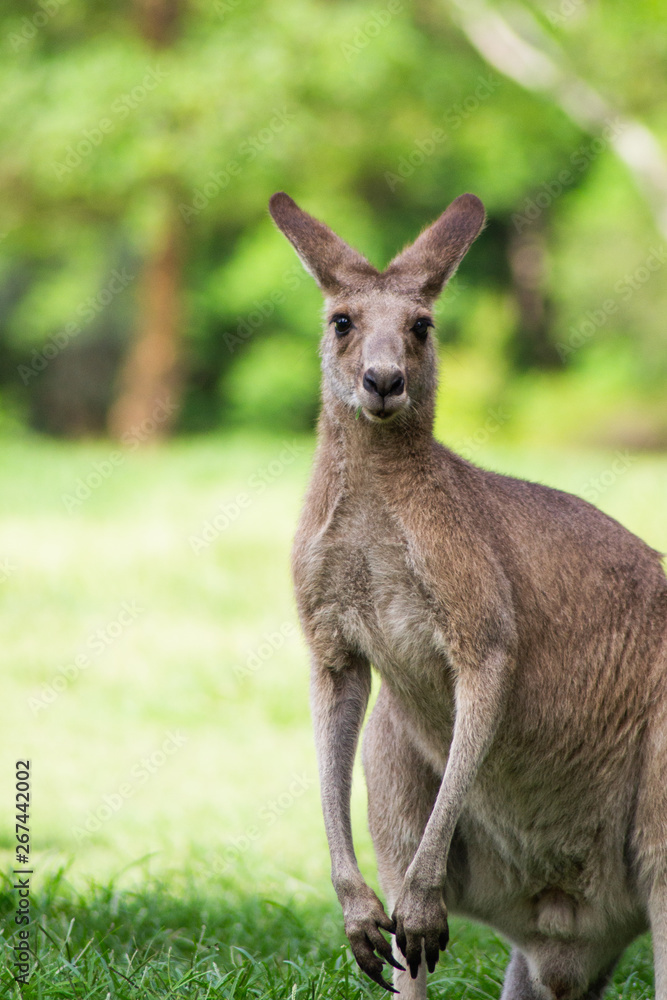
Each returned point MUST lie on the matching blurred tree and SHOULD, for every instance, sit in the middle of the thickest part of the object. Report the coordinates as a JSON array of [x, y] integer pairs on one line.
[[150, 380], [142, 141]]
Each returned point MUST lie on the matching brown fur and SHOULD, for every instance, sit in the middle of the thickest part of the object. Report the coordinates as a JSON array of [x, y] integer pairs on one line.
[[516, 759]]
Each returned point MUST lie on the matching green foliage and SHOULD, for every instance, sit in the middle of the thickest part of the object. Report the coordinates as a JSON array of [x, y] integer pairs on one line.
[[373, 119], [275, 384], [183, 938]]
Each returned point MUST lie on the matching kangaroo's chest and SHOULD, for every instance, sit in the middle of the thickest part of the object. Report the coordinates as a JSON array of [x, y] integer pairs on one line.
[[372, 600], [369, 588]]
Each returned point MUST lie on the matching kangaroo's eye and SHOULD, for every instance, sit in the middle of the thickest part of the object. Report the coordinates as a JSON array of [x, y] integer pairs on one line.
[[420, 329], [342, 324]]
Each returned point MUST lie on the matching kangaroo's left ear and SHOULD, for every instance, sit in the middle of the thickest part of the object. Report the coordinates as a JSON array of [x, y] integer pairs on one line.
[[331, 261], [432, 259]]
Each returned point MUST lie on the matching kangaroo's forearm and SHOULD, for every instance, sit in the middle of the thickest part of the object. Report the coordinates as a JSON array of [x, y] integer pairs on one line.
[[479, 701], [338, 701]]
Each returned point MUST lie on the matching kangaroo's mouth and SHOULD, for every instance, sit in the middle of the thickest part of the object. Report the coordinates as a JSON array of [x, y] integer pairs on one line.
[[384, 414], [382, 417]]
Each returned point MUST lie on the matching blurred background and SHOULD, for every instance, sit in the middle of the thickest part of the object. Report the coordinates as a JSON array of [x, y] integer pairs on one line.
[[141, 142], [158, 396]]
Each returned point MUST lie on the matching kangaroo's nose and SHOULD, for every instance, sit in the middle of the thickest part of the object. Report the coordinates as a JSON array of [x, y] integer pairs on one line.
[[388, 383]]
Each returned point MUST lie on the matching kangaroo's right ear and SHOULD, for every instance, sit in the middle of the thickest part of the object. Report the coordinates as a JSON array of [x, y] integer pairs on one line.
[[330, 260]]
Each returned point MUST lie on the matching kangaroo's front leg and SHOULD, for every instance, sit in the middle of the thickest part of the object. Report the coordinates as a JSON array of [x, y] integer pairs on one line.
[[420, 913], [339, 698]]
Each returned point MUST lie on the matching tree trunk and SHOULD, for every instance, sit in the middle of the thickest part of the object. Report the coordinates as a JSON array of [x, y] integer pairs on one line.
[[527, 257], [150, 382], [533, 68]]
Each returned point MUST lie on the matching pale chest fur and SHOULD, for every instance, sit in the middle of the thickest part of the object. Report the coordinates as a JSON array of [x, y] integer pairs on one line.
[[367, 598]]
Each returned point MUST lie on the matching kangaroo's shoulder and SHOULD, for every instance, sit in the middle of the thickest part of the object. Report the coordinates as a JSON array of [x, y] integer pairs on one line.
[[522, 512]]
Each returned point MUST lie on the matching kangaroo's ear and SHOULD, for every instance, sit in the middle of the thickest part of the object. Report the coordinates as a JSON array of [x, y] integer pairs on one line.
[[327, 257], [433, 258]]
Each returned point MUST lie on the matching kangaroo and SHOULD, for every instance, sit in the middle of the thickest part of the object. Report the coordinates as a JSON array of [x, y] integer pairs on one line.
[[516, 757]]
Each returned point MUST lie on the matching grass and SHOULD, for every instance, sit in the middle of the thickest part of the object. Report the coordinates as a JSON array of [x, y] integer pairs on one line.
[[191, 940], [218, 940], [175, 822]]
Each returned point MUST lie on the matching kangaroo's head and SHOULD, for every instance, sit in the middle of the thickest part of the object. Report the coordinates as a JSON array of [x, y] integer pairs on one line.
[[378, 356]]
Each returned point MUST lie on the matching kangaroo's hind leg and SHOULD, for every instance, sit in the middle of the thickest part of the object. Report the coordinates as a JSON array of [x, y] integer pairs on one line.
[[402, 788], [658, 917], [517, 984], [651, 826], [520, 985]]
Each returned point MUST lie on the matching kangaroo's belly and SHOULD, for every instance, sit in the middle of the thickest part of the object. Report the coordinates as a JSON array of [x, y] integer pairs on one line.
[[542, 863], [570, 883]]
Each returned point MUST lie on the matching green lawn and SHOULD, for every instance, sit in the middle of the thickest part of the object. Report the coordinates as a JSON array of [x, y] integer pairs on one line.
[[157, 681]]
